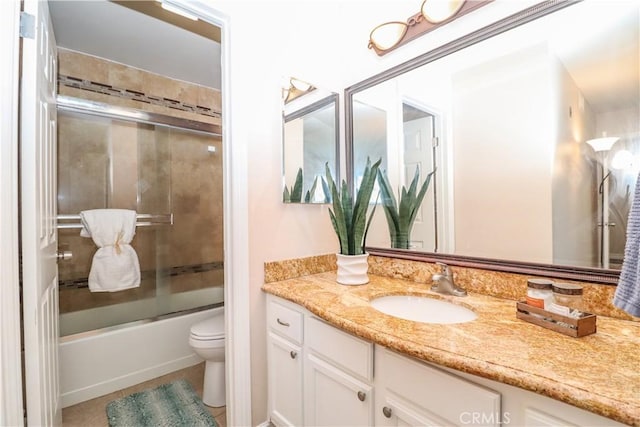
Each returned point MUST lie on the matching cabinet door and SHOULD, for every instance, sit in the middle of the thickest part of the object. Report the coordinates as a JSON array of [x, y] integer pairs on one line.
[[335, 398], [432, 395], [285, 381], [393, 410]]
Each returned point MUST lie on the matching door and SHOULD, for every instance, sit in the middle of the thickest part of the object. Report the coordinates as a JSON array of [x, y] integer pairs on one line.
[[38, 213], [419, 152], [334, 398]]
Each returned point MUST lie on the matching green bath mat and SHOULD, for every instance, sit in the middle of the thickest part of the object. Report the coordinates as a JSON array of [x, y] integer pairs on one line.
[[169, 405]]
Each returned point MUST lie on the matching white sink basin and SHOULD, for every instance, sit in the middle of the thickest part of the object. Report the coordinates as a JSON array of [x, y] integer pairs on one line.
[[422, 309]]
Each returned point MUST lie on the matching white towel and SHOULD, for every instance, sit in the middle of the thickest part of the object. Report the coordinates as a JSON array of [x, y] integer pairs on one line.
[[627, 296], [115, 265]]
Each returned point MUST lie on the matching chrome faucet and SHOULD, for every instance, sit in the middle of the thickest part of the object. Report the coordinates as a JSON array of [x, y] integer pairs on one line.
[[443, 282]]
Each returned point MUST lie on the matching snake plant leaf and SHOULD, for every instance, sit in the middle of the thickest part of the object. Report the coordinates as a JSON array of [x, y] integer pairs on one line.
[[349, 218], [312, 191], [363, 198], [337, 215], [325, 190], [366, 230], [388, 199], [286, 196], [296, 191], [400, 218], [422, 193]]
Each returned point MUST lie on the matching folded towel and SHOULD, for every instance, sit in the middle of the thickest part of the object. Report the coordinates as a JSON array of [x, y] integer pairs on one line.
[[115, 265], [627, 295]]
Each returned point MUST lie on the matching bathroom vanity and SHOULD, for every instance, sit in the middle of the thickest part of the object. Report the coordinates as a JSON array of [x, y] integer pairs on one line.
[[335, 360]]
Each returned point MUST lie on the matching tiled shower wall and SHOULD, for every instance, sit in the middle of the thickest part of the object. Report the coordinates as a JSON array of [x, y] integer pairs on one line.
[[97, 79], [151, 169]]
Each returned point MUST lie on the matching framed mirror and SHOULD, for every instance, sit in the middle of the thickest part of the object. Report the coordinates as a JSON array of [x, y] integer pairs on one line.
[[506, 116], [310, 142]]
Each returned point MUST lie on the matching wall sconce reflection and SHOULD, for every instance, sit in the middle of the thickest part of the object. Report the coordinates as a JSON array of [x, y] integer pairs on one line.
[[293, 88], [626, 161], [433, 13]]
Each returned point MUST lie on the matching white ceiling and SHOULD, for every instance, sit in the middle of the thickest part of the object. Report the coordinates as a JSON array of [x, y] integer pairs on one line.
[[108, 30], [601, 51]]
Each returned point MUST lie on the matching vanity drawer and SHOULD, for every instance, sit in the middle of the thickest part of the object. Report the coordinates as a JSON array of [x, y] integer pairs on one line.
[[285, 320], [342, 349]]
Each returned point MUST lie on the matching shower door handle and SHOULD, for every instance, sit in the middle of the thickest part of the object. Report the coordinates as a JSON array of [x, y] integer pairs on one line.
[[64, 255]]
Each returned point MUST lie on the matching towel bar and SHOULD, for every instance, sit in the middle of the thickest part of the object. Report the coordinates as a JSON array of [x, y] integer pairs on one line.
[[143, 220]]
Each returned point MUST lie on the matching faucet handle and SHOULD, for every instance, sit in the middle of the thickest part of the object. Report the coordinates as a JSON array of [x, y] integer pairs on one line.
[[444, 268]]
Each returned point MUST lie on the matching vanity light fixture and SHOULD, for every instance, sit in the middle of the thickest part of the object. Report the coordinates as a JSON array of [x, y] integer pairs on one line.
[[433, 13], [439, 11], [295, 88]]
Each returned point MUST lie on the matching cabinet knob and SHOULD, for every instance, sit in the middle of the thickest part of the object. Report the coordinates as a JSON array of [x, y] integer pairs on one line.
[[362, 396], [386, 411], [293, 354]]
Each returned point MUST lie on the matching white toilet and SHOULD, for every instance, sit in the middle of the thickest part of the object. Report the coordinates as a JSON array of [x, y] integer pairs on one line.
[[207, 340]]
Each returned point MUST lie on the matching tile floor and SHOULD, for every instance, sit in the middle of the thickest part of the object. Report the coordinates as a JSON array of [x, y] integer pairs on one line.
[[92, 413]]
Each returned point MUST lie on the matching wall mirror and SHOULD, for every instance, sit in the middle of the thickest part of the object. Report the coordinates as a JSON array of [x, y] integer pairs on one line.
[[310, 141], [504, 116]]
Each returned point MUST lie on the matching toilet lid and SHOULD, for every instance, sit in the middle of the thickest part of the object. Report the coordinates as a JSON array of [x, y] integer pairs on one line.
[[212, 328]]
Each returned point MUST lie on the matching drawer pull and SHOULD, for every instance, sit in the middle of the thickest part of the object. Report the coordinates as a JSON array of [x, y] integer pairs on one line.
[[362, 395], [282, 323], [293, 354], [386, 411]]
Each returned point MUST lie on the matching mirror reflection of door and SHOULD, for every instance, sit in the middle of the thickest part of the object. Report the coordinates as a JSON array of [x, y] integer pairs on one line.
[[419, 152], [404, 134]]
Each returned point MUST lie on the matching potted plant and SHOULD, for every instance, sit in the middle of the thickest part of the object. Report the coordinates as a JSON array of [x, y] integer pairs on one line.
[[350, 222], [400, 219]]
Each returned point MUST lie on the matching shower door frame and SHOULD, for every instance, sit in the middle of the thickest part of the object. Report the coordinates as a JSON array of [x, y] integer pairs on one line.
[[236, 244]]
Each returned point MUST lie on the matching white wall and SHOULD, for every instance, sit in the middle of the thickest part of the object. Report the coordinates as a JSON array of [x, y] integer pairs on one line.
[[497, 107], [574, 184], [323, 42]]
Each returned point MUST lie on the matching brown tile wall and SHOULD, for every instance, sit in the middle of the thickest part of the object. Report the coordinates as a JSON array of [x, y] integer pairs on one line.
[[152, 170], [99, 70]]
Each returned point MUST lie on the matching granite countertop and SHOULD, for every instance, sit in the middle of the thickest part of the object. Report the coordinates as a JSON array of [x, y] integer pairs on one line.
[[599, 372]]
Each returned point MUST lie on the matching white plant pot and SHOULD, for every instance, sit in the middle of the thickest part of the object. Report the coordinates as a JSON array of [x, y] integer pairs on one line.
[[352, 269]]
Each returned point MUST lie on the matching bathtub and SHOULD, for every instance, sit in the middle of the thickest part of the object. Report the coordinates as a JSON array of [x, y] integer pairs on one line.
[[99, 362]]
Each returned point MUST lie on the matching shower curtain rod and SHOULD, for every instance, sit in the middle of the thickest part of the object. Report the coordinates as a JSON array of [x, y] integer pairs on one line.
[[78, 105], [143, 220]]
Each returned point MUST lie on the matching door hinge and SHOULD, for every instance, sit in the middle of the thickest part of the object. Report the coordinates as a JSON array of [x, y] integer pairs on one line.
[[435, 142], [27, 25]]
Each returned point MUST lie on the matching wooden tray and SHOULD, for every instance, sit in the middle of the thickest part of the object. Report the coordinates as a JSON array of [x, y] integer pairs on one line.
[[580, 327]]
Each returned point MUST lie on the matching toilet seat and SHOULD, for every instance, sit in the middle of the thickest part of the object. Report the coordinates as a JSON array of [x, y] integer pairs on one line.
[[209, 329]]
